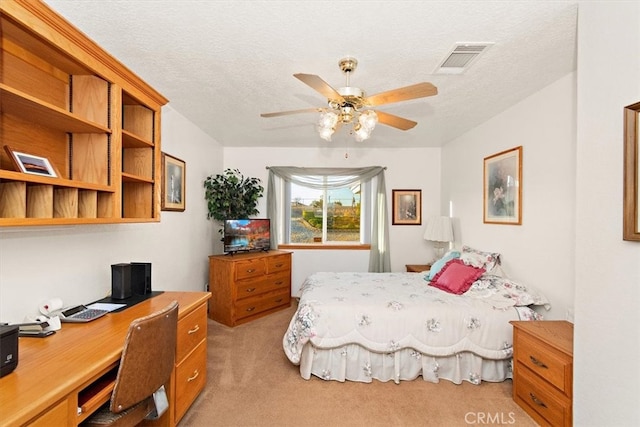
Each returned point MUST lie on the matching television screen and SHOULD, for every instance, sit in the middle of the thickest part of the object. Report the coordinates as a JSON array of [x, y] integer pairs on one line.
[[246, 235]]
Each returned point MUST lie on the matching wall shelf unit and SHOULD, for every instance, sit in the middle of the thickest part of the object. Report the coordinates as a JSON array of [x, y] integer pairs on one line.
[[64, 98]]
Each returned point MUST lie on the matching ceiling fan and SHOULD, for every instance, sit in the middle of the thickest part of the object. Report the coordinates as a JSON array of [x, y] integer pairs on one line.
[[351, 105]]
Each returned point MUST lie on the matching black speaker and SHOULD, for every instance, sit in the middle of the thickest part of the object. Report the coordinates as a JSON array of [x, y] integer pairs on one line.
[[121, 281], [8, 349], [141, 278]]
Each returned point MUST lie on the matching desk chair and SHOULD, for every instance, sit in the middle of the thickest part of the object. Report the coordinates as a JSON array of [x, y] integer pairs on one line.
[[145, 366]]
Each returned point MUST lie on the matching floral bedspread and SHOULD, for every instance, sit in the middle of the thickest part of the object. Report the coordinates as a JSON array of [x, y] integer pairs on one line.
[[384, 312]]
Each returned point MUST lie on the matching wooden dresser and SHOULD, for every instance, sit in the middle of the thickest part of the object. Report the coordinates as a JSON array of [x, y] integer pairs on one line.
[[247, 286], [543, 370]]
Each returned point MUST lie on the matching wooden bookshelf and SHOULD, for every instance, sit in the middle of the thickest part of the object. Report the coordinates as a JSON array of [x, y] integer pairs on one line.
[[65, 99]]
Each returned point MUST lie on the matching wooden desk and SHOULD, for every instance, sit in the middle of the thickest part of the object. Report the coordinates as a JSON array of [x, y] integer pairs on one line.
[[53, 371]]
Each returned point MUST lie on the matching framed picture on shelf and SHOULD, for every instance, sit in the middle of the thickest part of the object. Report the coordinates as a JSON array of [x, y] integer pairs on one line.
[[173, 183], [407, 207], [502, 189], [29, 163]]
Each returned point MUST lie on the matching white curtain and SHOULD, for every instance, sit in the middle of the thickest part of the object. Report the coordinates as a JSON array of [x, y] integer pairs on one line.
[[334, 178]]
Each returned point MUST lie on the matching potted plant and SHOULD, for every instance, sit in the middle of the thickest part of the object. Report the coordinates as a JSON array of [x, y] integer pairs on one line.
[[231, 195]]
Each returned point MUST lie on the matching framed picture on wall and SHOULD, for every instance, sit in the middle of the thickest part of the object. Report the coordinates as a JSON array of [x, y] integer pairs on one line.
[[407, 207], [173, 183], [502, 189], [631, 189]]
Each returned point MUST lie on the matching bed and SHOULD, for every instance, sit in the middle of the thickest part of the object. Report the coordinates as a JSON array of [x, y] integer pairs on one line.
[[400, 326]]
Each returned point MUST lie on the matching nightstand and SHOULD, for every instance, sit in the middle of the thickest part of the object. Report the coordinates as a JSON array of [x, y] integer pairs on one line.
[[417, 268], [543, 370]]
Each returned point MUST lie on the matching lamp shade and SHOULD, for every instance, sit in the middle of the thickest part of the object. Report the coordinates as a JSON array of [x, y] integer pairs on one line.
[[439, 229]]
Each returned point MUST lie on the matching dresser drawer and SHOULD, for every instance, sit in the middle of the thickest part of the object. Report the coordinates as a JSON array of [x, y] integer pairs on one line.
[[251, 287], [552, 365], [278, 263], [192, 329], [249, 268], [251, 306], [543, 399], [191, 377]]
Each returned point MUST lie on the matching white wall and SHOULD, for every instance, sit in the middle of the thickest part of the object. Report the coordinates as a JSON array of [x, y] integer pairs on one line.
[[73, 263], [539, 252], [607, 303], [417, 168]]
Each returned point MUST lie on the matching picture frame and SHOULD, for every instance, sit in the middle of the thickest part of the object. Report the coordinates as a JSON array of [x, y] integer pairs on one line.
[[631, 189], [31, 164], [502, 187], [173, 183], [407, 207]]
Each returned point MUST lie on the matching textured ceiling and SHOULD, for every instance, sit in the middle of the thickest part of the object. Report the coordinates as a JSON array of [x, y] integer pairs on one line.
[[222, 63]]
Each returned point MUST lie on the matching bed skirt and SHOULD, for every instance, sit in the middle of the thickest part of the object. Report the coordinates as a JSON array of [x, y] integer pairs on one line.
[[355, 363]]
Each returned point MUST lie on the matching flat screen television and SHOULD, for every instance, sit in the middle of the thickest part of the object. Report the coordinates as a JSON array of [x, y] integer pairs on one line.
[[241, 235]]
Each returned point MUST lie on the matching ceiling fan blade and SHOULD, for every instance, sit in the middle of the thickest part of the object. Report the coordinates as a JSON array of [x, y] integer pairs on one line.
[[320, 86], [395, 121], [419, 90], [286, 113]]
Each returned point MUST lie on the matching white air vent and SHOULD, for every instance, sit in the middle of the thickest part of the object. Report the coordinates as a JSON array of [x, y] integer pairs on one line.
[[460, 58]]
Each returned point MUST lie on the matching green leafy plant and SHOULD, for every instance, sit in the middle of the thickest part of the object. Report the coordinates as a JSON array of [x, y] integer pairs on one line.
[[231, 195]]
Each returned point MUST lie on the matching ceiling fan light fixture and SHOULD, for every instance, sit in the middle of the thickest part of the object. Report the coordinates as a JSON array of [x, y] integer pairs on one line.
[[327, 124], [368, 119]]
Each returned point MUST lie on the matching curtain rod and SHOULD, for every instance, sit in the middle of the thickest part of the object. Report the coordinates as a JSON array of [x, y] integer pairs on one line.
[[383, 167]]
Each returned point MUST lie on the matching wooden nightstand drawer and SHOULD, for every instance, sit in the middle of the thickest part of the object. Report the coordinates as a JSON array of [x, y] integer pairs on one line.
[[417, 268], [552, 365], [543, 370], [530, 391]]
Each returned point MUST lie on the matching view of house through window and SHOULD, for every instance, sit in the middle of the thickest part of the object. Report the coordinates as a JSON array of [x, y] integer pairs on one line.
[[320, 216]]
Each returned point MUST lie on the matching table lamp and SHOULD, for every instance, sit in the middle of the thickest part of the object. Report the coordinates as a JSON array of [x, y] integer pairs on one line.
[[439, 230]]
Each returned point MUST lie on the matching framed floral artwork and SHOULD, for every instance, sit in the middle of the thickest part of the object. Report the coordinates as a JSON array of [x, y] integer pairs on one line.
[[502, 189]]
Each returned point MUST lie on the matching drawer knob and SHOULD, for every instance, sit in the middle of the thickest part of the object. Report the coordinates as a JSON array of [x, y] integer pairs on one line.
[[536, 400], [251, 270], [537, 362], [251, 289], [279, 300], [194, 376], [251, 308], [278, 283], [279, 265], [194, 330]]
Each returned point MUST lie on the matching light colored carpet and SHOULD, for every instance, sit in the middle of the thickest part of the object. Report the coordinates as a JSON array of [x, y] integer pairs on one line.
[[252, 383]]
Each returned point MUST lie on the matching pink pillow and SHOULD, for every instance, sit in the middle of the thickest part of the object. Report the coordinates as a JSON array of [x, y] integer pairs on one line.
[[456, 277]]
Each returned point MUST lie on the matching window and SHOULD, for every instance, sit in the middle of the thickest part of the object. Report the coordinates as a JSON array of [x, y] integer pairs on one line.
[[324, 215], [340, 195]]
